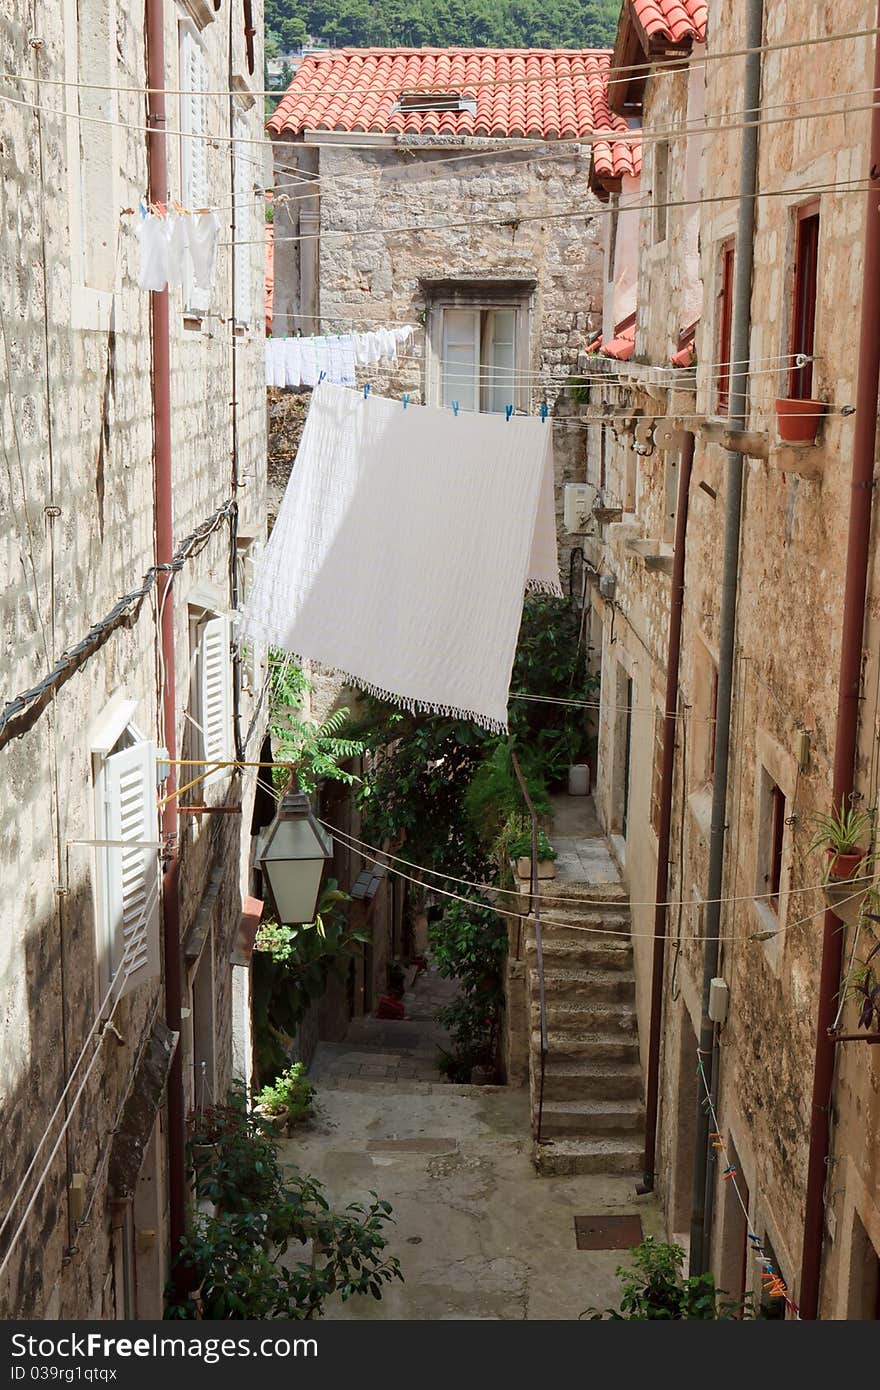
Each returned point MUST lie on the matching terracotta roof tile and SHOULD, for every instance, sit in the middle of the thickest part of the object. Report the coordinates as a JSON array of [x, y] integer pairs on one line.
[[544, 93], [675, 20], [622, 347]]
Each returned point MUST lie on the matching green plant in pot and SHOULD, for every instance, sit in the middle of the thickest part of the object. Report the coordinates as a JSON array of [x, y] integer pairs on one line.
[[286, 1100], [521, 853], [843, 836]]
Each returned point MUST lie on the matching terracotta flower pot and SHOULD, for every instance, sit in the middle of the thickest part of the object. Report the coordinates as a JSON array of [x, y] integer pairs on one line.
[[798, 421], [846, 885], [275, 1119]]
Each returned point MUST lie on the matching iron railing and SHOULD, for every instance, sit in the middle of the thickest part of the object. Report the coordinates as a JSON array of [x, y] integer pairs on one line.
[[535, 910]]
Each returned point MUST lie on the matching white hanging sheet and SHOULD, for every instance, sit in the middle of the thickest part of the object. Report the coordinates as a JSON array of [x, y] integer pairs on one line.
[[404, 543]]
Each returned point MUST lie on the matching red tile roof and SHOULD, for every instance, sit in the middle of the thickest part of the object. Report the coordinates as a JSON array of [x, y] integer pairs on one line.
[[519, 93], [620, 348], [676, 21]]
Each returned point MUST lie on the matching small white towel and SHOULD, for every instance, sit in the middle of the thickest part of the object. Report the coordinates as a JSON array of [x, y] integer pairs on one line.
[[403, 546]]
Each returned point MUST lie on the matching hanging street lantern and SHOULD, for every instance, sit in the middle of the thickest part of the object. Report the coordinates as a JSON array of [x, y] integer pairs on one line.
[[292, 857]]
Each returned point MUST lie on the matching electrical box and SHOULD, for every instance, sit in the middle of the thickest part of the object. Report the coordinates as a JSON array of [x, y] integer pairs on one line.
[[719, 998], [607, 585], [576, 509]]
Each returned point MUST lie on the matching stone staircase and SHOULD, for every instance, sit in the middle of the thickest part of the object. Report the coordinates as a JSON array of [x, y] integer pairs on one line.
[[593, 1115]]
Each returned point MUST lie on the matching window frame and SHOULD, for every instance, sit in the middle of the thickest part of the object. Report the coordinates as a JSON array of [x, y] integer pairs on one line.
[[804, 297], [242, 223], [207, 623], [196, 301], [482, 300], [724, 322]]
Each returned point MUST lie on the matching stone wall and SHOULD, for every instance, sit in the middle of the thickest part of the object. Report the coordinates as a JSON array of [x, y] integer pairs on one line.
[[76, 425], [790, 595]]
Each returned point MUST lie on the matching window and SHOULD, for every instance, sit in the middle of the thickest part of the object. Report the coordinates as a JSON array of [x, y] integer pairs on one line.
[[194, 186], [657, 771], [771, 843], [127, 899], [242, 219], [478, 357], [211, 691], [803, 308], [864, 1275], [660, 190], [724, 321]]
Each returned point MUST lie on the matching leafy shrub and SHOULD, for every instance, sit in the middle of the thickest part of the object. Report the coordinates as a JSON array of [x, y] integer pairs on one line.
[[291, 1091], [469, 944], [655, 1289], [233, 1264]]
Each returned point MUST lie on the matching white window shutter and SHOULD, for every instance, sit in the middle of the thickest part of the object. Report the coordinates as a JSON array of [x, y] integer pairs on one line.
[[132, 873], [195, 189], [501, 358], [460, 358], [215, 696], [243, 222]]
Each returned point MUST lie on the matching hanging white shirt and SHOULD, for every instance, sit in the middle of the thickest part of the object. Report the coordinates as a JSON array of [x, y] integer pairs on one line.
[[152, 234], [204, 235]]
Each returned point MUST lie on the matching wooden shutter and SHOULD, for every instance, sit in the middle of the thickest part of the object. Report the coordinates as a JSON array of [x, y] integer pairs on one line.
[[725, 326], [195, 189], [243, 222], [501, 358], [803, 308], [460, 358], [132, 874], [215, 712]]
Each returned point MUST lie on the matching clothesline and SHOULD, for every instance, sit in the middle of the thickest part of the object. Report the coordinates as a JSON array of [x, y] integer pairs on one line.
[[172, 241]]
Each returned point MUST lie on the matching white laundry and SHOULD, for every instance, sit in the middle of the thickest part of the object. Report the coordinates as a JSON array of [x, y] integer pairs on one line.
[[308, 361], [204, 235], [337, 355], [152, 234], [177, 234], [292, 361], [275, 356], [380, 565]]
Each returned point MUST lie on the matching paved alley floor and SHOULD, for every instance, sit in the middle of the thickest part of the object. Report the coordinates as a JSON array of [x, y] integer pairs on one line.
[[479, 1235]]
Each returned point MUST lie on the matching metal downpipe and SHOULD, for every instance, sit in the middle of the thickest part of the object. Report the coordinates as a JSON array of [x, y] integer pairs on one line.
[[652, 1097], [704, 1168]]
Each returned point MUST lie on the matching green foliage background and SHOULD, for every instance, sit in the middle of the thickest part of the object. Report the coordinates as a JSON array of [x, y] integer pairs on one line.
[[443, 23]]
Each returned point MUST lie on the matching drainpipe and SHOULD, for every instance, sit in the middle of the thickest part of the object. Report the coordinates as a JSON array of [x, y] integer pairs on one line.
[[161, 389], [848, 698], [669, 733], [704, 1166]]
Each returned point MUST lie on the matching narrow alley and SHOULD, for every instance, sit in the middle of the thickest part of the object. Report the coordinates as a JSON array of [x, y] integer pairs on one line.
[[477, 1232]]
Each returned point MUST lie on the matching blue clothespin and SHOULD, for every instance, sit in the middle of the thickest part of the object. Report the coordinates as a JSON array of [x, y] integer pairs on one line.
[[543, 412], [406, 400], [321, 376], [143, 208], [508, 411], [366, 390], [455, 407]]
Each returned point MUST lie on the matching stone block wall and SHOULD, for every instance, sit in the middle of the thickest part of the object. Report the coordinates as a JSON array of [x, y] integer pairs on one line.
[[76, 427]]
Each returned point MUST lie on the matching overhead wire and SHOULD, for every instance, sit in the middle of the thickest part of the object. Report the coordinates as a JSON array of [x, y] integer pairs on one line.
[[649, 67]]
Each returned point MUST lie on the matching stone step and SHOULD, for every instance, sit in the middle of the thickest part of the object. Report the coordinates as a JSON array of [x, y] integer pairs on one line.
[[592, 1117], [584, 986], [570, 1157], [570, 1080], [590, 953], [555, 917], [608, 1080], [585, 1016], [568, 1050]]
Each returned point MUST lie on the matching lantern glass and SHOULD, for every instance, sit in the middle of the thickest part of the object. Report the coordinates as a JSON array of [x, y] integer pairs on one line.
[[293, 858]]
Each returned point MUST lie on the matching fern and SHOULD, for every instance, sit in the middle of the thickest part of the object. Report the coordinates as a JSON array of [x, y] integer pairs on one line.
[[316, 751]]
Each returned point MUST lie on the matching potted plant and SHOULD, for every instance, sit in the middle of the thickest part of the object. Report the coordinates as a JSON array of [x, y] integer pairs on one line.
[[798, 421], [521, 853], [864, 987], [846, 880]]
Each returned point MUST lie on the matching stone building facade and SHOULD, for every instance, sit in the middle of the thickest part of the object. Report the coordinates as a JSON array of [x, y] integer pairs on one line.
[[84, 1047], [789, 622], [454, 216]]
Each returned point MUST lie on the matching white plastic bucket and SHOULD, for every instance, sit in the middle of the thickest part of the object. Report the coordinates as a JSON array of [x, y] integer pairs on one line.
[[579, 779]]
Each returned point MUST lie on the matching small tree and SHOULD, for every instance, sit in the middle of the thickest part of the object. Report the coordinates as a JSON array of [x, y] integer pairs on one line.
[[654, 1289]]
